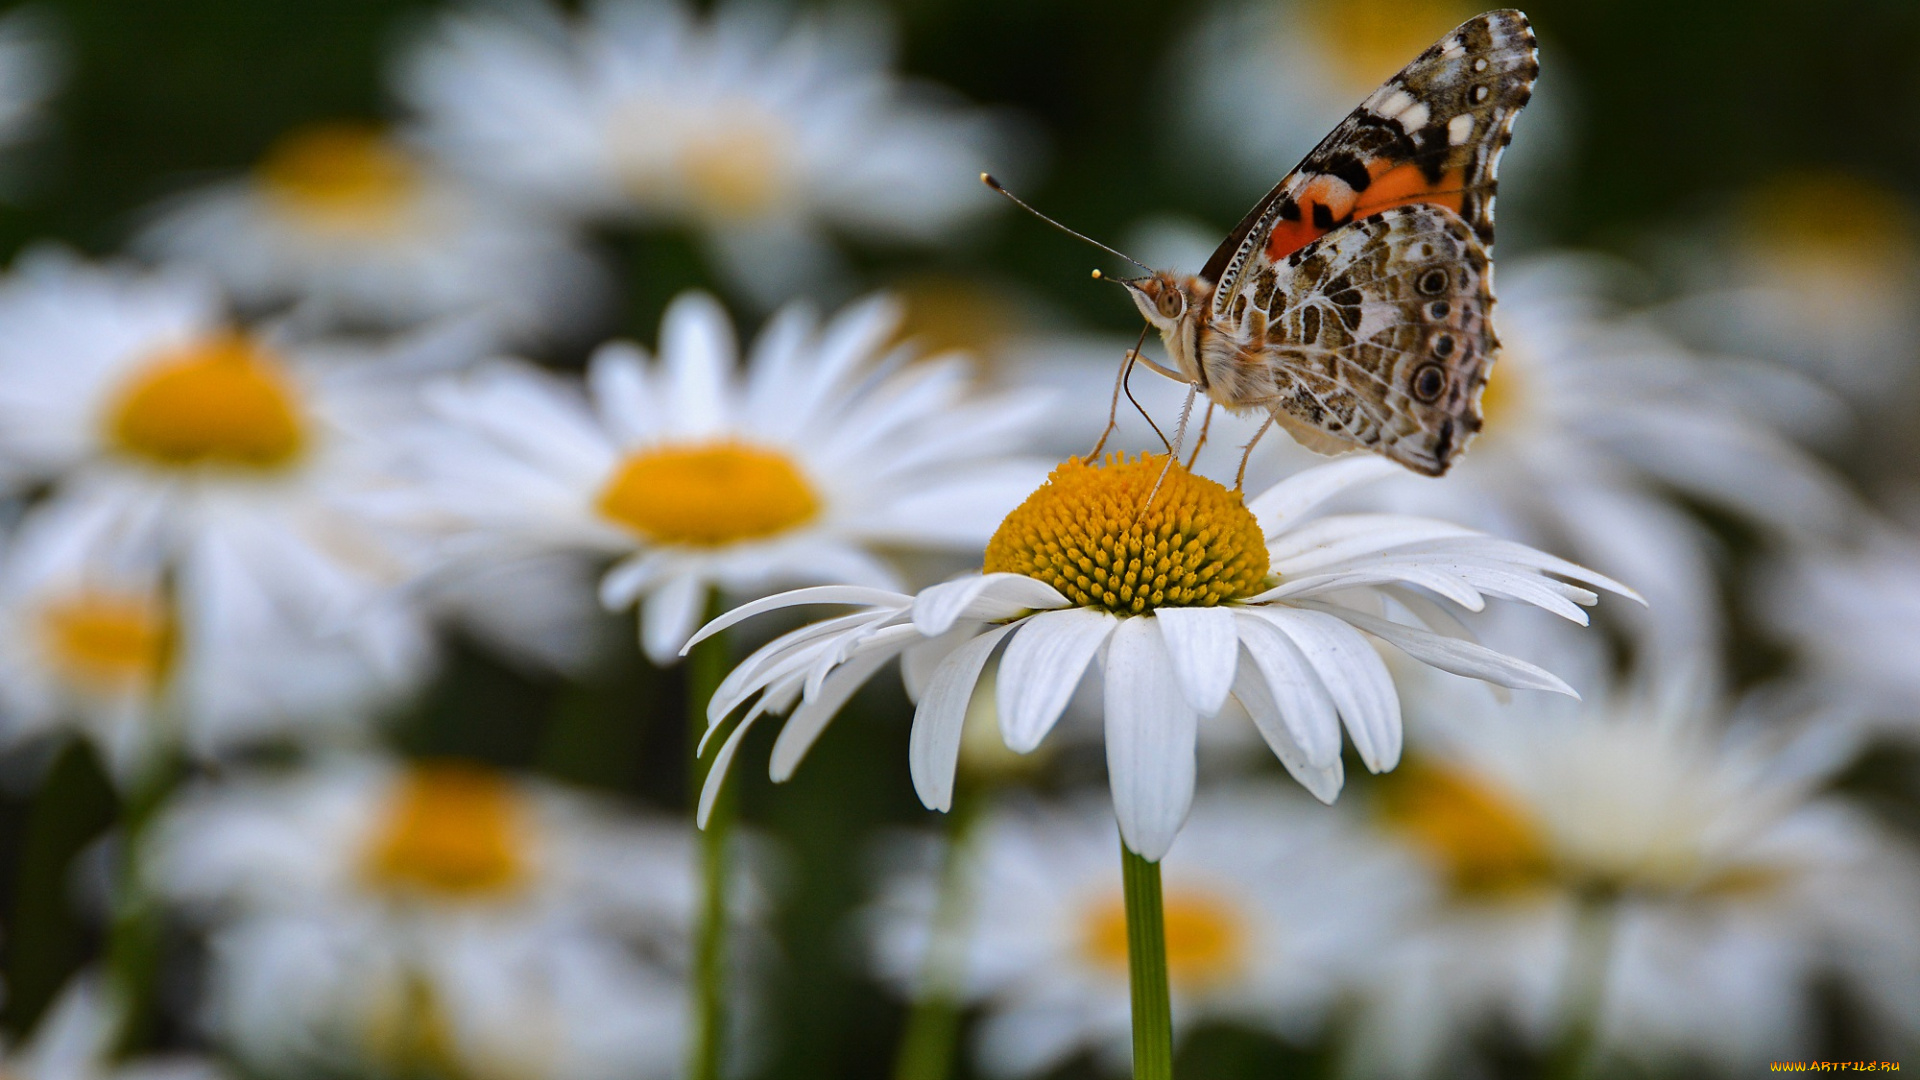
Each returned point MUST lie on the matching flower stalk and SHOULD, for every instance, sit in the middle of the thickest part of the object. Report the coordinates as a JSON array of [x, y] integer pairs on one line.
[[1584, 990], [933, 1027], [706, 667], [1147, 968]]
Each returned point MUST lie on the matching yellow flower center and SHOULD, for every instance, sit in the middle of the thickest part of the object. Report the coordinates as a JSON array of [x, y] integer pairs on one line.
[[708, 495], [1372, 39], [944, 314], [115, 641], [735, 168], [1479, 835], [1206, 937], [342, 176], [1827, 218], [451, 830], [1503, 401], [1089, 533], [221, 401]]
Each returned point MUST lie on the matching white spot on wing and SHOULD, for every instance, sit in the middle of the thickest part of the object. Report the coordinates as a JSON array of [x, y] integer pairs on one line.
[[1414, 116], [1396, 103], [1460, 129]]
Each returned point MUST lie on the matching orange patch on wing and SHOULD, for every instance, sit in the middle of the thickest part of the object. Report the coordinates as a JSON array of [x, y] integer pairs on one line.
[[1393, 185]]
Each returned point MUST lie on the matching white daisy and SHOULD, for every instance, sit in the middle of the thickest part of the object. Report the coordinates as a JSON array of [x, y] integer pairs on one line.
[[244, 471], [1719, 886], [439, 917], [824, 455], [73, 1040], [1853, 616], [355, 227], [1594, 420], [758, 135], [1270, 910], [1187, 602]]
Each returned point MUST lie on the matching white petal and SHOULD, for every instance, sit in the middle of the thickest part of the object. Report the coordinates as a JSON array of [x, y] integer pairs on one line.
[[1151, 733], [1323, 781], [983, 598], [918, 663], [717, 772], [697, 347], [817, 594], [669, 615], [1355, 677], [1451, 654], [1042, 666], [1312, 720], [1205, 652], [933, 747], [810, 719], [628, 578], [1282, 505]]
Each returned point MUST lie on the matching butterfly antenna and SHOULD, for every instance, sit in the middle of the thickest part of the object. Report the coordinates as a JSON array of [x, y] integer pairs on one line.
[[987, 179]]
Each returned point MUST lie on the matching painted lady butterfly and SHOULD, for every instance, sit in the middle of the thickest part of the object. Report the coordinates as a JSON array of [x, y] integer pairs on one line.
[[1353, 303]]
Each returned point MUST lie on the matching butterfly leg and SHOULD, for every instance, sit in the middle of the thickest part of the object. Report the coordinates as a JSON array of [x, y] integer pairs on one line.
[[1179, 439], [1113, 407], [1206, 425], [1240, 477]]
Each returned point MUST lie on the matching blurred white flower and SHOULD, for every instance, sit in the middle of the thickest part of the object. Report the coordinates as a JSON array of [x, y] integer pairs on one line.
[[1689, 868], [30, 69], [355, 228], [758, 134], [1853, 615], [434, 917], [828, 453], [73, 1040], [1185, 602], [240, 476], [1271, 907], [1594, 421]]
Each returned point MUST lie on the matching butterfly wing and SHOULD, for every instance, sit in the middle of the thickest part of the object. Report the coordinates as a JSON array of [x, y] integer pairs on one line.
[[1431, 134], [1375, 336]]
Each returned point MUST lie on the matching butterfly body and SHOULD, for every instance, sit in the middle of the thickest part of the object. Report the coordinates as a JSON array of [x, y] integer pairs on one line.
[[1353, 304]]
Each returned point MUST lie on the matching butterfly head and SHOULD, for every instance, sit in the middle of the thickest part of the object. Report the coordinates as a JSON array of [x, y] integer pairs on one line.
[[1162, 297]]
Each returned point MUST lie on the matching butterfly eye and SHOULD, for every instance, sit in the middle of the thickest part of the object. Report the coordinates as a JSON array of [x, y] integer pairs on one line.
[[1429, 383], [1171, 303]]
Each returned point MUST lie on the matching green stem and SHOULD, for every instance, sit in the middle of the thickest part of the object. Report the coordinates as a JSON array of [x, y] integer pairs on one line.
[[134, 936], [706, 667], [1584, 989], [926, 1049], [1147, 968]]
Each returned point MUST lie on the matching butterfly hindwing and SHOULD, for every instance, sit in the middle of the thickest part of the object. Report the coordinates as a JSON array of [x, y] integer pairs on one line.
[[1432, 134], [1375, 336]]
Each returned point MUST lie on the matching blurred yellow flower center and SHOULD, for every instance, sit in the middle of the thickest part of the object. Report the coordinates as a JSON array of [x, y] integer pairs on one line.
[[1503, 399], [340, 175], [1484, 841], [734, 168], [1827, 219], [452, 830], [1373, 39], [1206, 937], [221, 401], [1089, 533], [100, 640], [709, 494]]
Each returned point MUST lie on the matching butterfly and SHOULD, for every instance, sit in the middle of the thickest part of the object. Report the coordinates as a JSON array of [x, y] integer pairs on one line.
[[1353, 304]]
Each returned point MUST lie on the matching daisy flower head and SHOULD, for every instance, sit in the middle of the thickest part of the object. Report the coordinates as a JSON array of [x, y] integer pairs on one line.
[[1852, 615], [1596, 418], [1187, 597], [244, 470], [396, 918], [760, 135], [74, 1040], [1670, 868], [1270, 913], [827, 453], [357, 228]]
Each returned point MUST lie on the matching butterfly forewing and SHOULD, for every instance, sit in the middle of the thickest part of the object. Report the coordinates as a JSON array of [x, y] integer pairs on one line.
[[1376, 336], [1431, 134]]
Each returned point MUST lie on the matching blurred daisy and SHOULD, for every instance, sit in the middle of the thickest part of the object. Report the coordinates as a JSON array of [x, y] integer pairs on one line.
[[822, 457], [73, 1040], [1680, 879], [1853, 615], [1262, 81], [433, 917], [242, 474], [1270, 910], [1187, 600], [1593, 422], [759, 135], [355, 228]]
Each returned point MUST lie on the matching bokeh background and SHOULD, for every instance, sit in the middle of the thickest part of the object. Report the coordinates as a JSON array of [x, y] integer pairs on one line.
[[1703, 153]]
